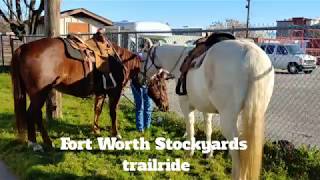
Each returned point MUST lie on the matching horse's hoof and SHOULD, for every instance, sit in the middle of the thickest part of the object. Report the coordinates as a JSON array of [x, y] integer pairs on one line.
[[35, 147], [191, 153], [185, 135], [119, 137], [96, 132], [209, 155]]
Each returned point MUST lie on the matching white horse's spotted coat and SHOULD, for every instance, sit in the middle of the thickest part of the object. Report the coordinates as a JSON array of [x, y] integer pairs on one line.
[[236, 76]]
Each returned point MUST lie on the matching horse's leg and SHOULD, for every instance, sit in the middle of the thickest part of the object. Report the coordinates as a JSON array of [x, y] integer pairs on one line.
[[208, 128], [190, 129], [185, 108], [188, 113], [37, 101], [98, 104], [230, 131], [31, 126], [43, 131], [113, 104], [35, 115]]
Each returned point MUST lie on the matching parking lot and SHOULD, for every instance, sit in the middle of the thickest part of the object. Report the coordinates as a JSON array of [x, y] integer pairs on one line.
[[294, 111]]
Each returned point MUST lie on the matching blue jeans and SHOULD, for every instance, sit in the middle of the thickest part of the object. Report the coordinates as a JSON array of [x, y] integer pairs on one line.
[[143, 106]]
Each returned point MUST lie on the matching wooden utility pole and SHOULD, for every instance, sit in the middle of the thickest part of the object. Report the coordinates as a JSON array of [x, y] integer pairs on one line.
[[248, 18], [52, 29]]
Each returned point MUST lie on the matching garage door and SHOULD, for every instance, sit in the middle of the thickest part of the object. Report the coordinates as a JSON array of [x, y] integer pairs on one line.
[[78, 28]]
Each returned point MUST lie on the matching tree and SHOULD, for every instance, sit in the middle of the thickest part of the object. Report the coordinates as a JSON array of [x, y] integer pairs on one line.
[[52, 26], [22, 16]]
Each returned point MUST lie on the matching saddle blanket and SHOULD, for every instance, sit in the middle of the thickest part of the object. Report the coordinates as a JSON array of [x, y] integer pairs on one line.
[[71, 51]]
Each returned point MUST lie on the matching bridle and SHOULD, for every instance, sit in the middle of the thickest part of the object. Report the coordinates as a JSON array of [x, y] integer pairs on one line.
[[152, 56]]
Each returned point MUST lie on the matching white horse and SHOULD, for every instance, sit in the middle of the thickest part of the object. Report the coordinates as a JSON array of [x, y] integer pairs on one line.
[[235, 77]]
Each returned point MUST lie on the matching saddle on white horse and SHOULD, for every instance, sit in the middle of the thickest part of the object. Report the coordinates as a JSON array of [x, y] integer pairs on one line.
[[196, 57]]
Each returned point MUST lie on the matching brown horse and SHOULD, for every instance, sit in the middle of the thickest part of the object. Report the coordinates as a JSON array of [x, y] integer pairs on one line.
[[39, 66], [157, 90]]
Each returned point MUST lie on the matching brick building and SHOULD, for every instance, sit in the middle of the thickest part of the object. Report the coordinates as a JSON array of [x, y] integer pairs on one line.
[[309, 35]]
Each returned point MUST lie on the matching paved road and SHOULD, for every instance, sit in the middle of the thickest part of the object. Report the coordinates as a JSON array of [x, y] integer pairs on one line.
[[5, 174], [294, 111]]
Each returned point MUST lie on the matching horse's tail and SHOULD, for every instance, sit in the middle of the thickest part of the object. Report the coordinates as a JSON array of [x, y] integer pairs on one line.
[[19, 95], [261, 81]]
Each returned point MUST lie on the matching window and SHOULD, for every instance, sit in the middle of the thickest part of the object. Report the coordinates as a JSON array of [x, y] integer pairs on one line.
[[294, 49], [270, 49], [282, 50]]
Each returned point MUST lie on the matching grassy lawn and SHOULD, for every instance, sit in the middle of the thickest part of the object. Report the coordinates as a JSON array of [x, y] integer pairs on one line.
[[301, 163]]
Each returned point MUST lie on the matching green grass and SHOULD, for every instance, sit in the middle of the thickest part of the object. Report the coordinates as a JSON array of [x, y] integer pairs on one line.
[[301, 163]]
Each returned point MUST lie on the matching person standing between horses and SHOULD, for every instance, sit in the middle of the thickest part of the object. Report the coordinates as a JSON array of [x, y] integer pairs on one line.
[[142, 100]]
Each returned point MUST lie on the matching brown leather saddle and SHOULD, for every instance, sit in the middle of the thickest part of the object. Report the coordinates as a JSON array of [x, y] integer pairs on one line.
[[77, 49], [94, 53], [196, 57]]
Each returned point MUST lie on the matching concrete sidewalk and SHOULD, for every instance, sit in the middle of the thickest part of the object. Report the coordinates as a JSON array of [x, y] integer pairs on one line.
[[5, 174]]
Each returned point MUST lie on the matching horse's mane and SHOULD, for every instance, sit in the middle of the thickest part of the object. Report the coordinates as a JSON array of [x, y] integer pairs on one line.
[[125, 54], [130, 60]]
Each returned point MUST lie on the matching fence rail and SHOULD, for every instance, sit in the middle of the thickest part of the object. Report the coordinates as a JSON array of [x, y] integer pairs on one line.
[[123, 37]]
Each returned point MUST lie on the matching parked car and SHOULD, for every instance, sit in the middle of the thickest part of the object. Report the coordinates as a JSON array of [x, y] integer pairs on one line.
[[289, 57]]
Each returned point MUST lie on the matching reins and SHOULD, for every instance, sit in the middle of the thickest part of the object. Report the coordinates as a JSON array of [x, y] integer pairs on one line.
[[152, 57], [155, 109], [175, 65]]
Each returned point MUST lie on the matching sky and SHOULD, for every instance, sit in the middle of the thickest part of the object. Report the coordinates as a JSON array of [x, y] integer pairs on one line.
[[198, 13]]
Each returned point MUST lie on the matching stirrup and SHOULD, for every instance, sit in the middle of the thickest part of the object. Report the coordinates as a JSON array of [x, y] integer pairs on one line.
[[181, 88]]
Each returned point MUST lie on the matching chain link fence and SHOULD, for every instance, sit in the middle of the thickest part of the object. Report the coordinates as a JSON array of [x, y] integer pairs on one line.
[[294, 111]]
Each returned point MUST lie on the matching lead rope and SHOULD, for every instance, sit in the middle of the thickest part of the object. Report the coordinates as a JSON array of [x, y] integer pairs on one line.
[[176, 64], [155, 109]]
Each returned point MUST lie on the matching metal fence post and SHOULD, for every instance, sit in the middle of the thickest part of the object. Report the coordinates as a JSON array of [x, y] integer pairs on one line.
[[11, 44], [119, 36], [2, 49], [136, 47]]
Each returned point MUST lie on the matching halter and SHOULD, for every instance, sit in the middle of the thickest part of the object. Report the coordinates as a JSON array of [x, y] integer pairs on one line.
[[153, 56]]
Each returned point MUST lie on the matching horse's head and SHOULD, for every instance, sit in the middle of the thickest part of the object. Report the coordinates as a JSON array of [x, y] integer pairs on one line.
[[157, 90]]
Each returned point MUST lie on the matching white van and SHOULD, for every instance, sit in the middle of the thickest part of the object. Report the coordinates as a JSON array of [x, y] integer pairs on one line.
[[289, 57]]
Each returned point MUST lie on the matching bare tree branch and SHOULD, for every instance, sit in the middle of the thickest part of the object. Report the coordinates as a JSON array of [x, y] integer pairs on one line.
[[10, 14], [37, 16], [10, 10], [41, 7], [18, 10], [30, 5], [24, 15], [3, 15]]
